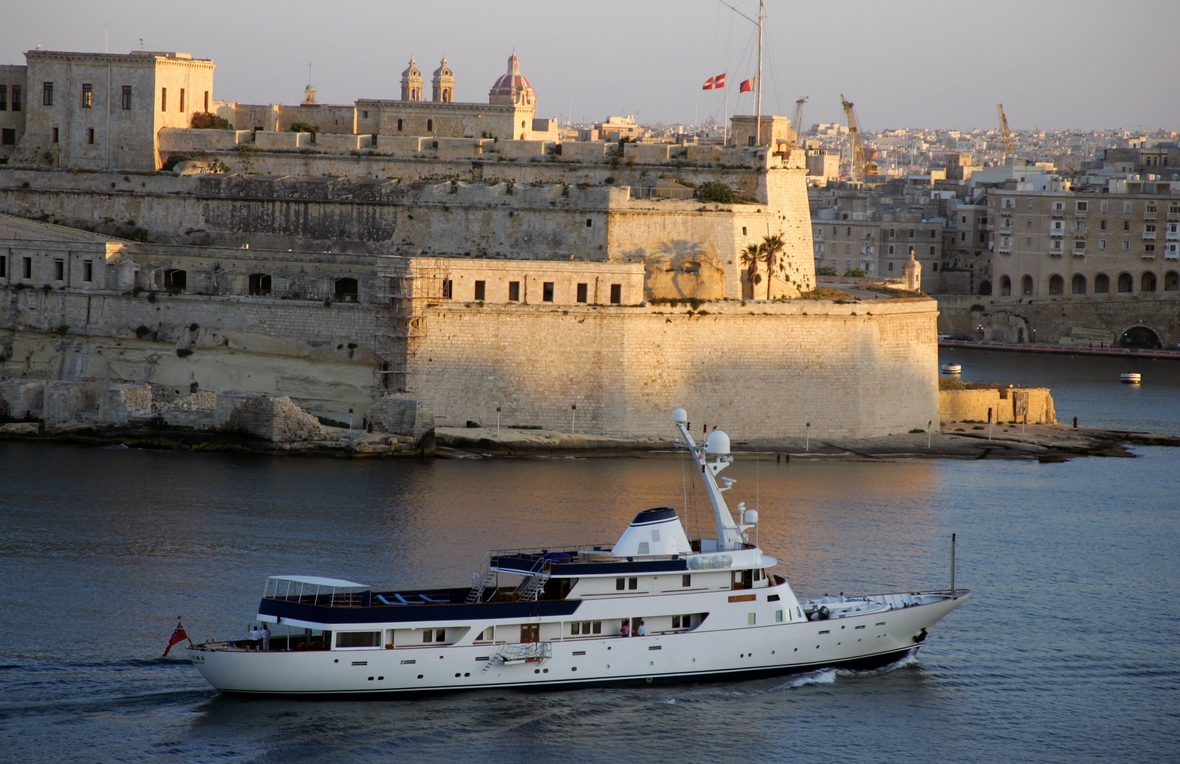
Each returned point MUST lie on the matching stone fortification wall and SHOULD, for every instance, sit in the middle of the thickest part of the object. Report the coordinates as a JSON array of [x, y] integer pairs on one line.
[[321, 356], [1077, 321], [1006, 405], [690, 249], [755, 370]]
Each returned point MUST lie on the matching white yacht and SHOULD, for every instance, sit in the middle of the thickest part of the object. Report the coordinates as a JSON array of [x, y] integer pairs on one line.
[[655, 607]]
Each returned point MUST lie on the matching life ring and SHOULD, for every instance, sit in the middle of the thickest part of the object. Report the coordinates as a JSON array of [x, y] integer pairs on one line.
[[824, 613]]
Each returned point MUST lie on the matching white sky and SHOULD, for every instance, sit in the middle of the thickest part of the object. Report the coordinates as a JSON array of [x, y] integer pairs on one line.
[[1055, 64]]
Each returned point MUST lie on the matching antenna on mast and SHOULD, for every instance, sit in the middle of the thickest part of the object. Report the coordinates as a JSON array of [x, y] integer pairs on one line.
[[758, 110]]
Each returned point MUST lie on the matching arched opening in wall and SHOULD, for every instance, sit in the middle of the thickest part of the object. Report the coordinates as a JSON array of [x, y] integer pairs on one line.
[[346, 290], [1102, 284], [1005, 286], [1056, 284], [985, 287], [1147, 282], [175, 280], [1126, 283], [260, 284], [1171, 281], [1078, 285], [430, 125], [1140, 337], [1026, 286]]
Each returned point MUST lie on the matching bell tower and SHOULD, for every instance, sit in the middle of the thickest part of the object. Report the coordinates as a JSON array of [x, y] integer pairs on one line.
[[443, 83], [412, 82]]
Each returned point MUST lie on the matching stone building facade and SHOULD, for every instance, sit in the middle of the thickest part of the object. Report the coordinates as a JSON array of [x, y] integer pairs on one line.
[[105, 111]]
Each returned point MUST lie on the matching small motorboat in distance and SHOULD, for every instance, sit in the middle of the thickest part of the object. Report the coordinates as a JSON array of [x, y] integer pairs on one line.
[[951, 368], [1130, 377], [656, 606]]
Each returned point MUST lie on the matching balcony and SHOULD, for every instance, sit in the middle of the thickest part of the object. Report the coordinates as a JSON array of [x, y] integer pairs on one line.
[[1149, 235]]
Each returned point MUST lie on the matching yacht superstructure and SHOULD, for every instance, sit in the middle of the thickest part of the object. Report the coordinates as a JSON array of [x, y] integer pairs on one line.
[[656, 606]]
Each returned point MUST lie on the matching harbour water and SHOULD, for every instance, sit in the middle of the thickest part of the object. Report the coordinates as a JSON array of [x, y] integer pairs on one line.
[[1067, 650]]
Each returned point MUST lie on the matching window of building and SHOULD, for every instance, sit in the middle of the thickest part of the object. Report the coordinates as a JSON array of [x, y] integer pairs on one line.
[[583, 290], [481, 290], [59, 270], [1079, 226], [514, 291], [1078, 285], [182, 100], [1058, 206], [90, 135], [87, 95], [1149, 249], [931, 250], [891, 249], [206, 109], [1005, 286], [1150, 209], [1126, 208], [429, 125], [56, 134], [1083, 206], [589, 222], [1101, 225], [1104, 206], [175, 280], [1102, 244], [744, 231], [1126, 245], [447, 289], [163, 99], [399, 125], [125, 100], [1125, 282], [1007, 204], [547, 291], [16, 102], [3, 266], [1056, 284], [27, 267], [1102, 284], [8, 136], [1174, 209], [933, 234], [848, 230], [3, 98], [616, 294], [1126, 225], [260, 284], [346, 290], [890, 268], [962, 236], [47, 94], [936, 267], [1026, 286]]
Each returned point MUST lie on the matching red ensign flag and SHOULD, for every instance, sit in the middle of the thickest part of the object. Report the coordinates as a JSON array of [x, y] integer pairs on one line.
[[746, 86], [714, 83], [179, 635]]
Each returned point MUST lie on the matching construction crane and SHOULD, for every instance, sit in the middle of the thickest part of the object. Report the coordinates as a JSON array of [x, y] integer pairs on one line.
[[1005, 133], [797, 122], [859, 166]]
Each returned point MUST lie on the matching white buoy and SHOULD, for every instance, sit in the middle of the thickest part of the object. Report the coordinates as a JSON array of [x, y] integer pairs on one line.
[[951, 368], [1130, 377]]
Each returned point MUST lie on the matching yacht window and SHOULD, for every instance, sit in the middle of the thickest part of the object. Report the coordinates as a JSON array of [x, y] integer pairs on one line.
[[619, 584], [485, 635], [434, 635], [686, 579], [632, 583], [358, 639], [596, 627], [576, 628], [758, 575], [752, 618], [778, 616]]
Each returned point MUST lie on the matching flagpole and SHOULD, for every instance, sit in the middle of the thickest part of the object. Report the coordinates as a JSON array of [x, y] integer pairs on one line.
[[758, 110], [725, 127]]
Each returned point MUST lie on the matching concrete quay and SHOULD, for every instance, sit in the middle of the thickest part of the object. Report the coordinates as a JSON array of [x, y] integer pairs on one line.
[[955, 440]]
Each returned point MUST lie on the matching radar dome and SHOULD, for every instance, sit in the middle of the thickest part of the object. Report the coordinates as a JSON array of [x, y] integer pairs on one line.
[[680, 416], [717, 443]]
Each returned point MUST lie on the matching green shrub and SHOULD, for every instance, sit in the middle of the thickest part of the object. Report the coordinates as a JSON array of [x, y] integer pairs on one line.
[[203, 120], [715, 191], [854, 273], [826, 271], [304, 127]]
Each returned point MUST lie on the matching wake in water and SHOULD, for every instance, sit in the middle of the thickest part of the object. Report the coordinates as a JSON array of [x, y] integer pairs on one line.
[[829, 676]]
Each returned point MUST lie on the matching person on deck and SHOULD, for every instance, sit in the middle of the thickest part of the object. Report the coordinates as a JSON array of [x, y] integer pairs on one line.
[[625, 631], [640, 630], [255, 636], [264, 635]]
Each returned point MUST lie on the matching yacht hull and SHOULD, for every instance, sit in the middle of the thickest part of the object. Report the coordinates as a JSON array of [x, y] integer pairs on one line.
[[857, 641]]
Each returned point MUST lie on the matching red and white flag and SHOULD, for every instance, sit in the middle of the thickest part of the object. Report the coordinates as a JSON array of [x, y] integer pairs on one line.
[[746, 86], [179, 635], [714, 83]]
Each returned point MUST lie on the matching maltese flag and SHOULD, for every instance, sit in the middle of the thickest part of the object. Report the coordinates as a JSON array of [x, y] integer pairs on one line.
[[714, 83]]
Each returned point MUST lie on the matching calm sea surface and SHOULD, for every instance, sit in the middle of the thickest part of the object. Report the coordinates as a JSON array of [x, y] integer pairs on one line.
[[1069, 649]]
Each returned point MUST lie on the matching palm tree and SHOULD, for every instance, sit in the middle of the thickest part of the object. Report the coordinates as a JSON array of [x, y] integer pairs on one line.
[[750, 258], [770, 248]]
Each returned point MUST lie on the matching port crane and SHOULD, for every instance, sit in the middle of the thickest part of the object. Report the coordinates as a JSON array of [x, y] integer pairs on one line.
[[797, 121], [859, 166], [1005, 133]]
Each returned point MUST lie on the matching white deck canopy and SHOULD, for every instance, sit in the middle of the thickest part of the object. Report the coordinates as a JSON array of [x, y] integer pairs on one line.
[[337, 583]]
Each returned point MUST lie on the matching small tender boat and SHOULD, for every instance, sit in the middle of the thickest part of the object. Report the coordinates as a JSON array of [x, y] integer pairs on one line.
[[951, 368], [656, 606], [1130, 377]]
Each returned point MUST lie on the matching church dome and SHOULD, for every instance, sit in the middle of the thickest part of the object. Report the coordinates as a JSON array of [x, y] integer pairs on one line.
[[512, 87]]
